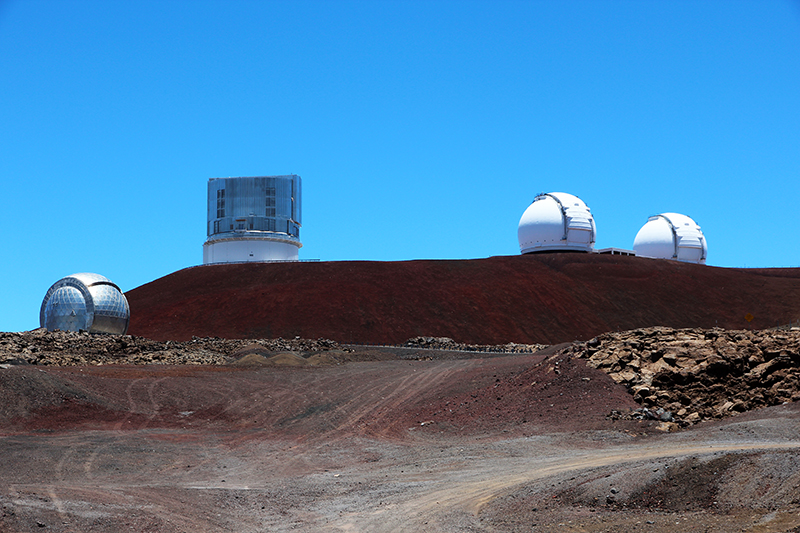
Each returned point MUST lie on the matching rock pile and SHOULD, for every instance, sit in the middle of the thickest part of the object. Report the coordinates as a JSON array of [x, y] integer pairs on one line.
[[446, 343], [696, 374], [40, 347]]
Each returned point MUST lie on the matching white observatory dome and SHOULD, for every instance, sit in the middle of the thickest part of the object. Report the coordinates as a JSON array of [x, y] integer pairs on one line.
[[88, 302], [671, 236], [556, 221]]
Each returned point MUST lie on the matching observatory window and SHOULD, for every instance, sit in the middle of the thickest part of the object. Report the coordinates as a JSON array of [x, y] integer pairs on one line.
[[221, 203], [216, 226], [270, 202]]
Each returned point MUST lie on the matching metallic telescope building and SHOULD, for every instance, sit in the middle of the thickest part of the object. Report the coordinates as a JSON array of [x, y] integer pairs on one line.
[[253, 219], [88, 302]]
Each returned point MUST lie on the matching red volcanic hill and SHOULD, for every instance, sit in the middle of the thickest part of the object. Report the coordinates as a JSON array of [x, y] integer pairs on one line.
[[537, 298]]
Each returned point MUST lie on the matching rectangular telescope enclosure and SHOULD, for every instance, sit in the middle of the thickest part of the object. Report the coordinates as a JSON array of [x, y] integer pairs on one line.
[[253, 219]]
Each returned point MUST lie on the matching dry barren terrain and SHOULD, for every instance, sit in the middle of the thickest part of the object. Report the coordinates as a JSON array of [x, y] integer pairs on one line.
[[575, 406], [318, 436], [534, 298]]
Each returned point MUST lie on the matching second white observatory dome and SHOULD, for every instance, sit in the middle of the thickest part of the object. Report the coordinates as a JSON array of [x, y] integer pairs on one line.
[[556, 221], [671, 236]]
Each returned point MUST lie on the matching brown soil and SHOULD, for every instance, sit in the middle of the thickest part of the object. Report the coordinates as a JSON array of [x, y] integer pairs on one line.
[[383, 439], [537, 298]]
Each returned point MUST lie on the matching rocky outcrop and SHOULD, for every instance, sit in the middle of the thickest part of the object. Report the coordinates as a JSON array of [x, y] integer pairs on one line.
[[59, 348], [697, 374], [41, 347], [446, 343]]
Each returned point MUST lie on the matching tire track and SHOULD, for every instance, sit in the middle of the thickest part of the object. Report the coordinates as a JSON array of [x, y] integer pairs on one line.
[[472, 491]]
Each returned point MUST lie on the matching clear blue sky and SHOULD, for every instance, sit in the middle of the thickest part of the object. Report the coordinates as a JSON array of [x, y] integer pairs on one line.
[[420, 129]]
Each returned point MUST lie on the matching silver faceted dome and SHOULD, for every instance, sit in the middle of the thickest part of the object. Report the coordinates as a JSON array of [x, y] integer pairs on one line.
[[85, 302]]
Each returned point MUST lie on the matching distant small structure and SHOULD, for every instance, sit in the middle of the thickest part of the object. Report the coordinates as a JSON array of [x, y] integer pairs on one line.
[[253, 219], [85, 302], [671, 236], [615, 251], [556, 221]]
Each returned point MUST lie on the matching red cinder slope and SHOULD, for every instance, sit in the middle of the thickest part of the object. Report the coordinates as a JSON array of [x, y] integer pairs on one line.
[[547, 298]]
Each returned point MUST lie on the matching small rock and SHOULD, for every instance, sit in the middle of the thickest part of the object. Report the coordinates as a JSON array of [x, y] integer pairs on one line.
[[668, 427]]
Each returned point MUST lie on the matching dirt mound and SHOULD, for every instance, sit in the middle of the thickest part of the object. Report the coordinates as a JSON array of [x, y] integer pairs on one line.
[[716, 483], [257, 355], [326, 358], [712, 492], [689, 485], [281, 359], [699, 374], [287, 359], [559, 391], [535, 298], [252, 359], [251, 349]]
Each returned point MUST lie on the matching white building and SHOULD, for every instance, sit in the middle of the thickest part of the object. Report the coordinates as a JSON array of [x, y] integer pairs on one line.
[[671, 236], [556, 221]]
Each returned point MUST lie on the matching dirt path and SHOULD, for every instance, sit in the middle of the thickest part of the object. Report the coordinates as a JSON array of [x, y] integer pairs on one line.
[[361, 485], [471, 489]]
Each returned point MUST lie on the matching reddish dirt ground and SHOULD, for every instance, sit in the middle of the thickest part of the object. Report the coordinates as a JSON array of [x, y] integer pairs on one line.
[[518, 394], [441, 442], [538, 298]]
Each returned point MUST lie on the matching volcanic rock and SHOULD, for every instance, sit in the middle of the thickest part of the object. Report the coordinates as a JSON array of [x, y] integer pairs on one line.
[[59, 348], [700, 373]]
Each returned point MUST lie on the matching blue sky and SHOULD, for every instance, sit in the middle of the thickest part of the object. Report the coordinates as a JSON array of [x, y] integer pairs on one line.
[[422, 130]]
